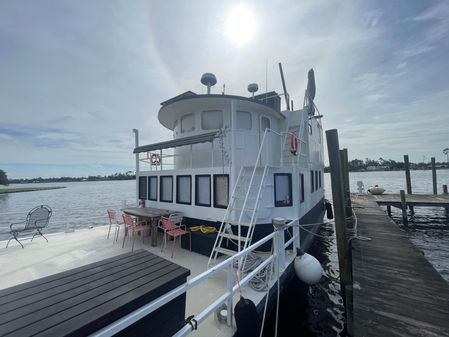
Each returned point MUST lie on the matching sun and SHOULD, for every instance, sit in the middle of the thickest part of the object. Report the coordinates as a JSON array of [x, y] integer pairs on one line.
[[240, 25]]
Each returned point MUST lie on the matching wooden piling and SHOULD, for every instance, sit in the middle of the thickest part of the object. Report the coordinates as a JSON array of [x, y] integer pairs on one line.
[[389, 210], [338, 199], [345, 176], [404, 209], [434, 176], [408, 179]]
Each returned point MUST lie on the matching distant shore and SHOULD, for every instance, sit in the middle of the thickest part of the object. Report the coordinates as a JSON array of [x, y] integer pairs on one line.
[[28, 189]]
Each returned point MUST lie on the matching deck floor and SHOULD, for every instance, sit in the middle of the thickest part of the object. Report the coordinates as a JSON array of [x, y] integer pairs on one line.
[[65, 251], [397, 292]]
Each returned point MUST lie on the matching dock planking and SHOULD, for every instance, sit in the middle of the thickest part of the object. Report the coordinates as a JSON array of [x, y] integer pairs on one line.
[[426, 200], [396, 292]]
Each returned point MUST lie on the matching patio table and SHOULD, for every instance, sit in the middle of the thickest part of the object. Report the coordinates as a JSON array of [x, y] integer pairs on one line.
[[152, 215]]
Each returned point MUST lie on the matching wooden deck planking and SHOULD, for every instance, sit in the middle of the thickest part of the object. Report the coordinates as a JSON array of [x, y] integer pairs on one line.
[[397, 292], [82, 300], [425, 200]]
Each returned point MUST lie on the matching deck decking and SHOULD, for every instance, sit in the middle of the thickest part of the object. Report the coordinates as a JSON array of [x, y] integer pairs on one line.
[[397, 292], [426, 200]]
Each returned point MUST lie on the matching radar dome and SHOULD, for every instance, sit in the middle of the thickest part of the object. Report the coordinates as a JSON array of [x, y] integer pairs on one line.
[[209, 80], [252, 88]]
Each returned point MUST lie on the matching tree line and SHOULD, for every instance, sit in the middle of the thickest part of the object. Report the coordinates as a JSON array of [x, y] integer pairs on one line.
[[116, 176], [388, 165]]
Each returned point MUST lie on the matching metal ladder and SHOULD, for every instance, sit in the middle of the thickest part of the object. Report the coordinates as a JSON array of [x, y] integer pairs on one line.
[[245, 201]]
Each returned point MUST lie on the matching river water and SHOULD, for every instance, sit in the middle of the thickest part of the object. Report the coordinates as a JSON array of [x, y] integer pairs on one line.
[[84, 204]]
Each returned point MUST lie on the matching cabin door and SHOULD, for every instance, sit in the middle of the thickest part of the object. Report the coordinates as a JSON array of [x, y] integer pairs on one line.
[[246, 139], [265, 123]]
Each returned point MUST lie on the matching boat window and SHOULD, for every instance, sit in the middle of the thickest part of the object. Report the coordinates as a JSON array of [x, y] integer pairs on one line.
[[202, 190], [244, 120], [143, 187], [312, 185], [301, 179], [152, 188], [310, 128], [188, 123], [319, 177], [316, 180], [282, 189], [166, 189], [264, 123], [221, 190], [212, 119], [184, 190]]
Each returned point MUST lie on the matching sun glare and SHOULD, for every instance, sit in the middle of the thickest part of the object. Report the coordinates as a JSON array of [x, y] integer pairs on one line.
[[240, 25]]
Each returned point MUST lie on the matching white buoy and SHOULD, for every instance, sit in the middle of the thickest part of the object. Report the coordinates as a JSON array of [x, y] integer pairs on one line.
[[308, 268]]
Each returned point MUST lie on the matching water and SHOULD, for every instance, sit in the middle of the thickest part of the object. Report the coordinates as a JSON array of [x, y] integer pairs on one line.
[[84, 204], [78, 205]]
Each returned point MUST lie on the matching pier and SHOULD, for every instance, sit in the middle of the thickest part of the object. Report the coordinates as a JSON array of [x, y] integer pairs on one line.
[[396, 291]]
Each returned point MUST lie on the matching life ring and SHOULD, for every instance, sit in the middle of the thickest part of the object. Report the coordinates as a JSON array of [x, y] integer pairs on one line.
[[155, 159], [294, 145]]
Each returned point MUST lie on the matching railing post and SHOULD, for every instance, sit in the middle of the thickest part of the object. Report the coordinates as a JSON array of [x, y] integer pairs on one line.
[[279, 240], [408, 179], [230, 284]]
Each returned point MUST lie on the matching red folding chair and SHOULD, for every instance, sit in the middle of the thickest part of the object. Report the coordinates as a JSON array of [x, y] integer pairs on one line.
[[132, 227], [114, 221]]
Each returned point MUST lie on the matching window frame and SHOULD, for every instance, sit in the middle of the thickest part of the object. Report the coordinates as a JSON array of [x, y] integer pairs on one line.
[[289, 175], [196, 190], [316, 181], [269, 122], [222, 119], [143, 178], [161, 189], [301, 191], [312, 183], [194, 122], [250, 120], [319, 177], [149, 187], [190, 189], [216, 205]]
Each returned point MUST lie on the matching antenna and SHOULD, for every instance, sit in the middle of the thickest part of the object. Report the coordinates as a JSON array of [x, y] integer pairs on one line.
[[252, 88], [209, 80], [287, 99]]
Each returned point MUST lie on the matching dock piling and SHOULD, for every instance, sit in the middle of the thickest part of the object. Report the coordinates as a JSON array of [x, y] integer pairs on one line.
[[408, 179], [338, 199], [404, 208], [434, 176]]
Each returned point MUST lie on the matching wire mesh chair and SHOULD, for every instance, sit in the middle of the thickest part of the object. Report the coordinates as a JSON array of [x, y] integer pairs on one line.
[[36, 220]]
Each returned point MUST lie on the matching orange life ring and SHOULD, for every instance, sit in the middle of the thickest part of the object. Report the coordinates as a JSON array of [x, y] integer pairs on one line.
[[294, 145]]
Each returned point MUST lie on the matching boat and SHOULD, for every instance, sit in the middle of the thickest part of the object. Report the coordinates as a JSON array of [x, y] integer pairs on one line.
[[247, 177], [235, 165], [376, 190]]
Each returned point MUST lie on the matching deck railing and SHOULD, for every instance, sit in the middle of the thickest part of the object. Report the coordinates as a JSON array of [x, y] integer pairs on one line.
[[279, 264]]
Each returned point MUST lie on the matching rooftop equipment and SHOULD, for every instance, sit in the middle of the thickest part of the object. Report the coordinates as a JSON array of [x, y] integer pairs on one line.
[[252, 88], [209, 80]]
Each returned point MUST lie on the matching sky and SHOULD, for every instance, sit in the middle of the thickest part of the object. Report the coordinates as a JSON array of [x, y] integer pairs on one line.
[[77, 76]]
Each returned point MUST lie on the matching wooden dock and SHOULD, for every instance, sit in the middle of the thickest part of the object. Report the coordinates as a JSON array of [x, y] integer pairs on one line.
[[426, 200], [396, 291]]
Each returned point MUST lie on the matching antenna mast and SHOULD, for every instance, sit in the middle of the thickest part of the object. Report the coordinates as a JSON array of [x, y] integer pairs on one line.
[[287, 99]]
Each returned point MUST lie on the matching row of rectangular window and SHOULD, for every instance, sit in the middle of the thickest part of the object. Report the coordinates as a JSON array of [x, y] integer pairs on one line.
[[213, 119], [148, 189], [315, 180]]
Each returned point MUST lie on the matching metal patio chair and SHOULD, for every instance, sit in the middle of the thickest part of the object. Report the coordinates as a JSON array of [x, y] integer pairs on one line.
[[113, 221], [168, 225], [36, 220], [131, 227]]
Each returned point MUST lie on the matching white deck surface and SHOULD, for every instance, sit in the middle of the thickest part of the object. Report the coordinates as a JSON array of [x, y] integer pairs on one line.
[[65, 251]]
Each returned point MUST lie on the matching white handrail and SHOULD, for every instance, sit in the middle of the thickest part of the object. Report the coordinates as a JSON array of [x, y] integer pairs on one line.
[[145, 310]]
